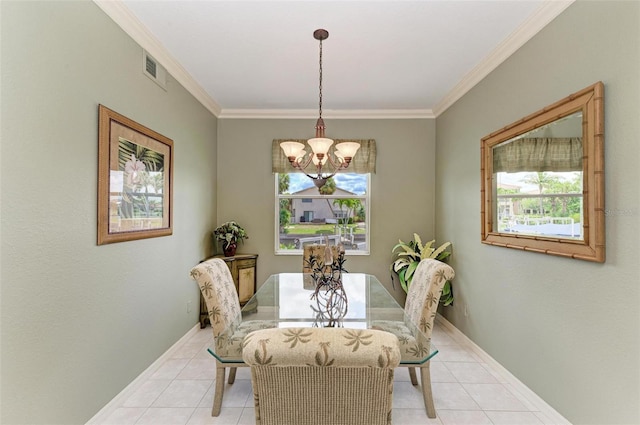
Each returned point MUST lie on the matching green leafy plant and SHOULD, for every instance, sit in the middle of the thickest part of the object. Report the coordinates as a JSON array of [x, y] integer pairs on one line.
[[408, 256], [230, 232]]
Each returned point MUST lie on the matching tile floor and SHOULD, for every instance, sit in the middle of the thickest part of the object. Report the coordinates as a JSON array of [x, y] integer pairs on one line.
[[466, 390]]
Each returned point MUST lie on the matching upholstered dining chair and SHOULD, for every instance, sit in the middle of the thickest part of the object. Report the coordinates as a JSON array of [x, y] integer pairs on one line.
[[322, 376], [219, 293], [420, 310]]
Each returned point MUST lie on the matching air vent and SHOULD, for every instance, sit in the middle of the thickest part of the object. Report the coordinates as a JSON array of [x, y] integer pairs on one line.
[[152, 69]]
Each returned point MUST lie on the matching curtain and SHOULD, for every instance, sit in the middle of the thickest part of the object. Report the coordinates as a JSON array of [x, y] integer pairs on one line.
[[539, 154], [363, 162]]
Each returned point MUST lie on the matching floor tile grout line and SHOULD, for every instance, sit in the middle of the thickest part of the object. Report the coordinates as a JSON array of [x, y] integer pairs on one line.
[[141, 416], [462, 383], [163, 391], [192, 413]]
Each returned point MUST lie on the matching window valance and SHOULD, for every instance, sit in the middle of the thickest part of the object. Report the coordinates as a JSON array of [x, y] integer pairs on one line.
[[539, 154], [363, 162]]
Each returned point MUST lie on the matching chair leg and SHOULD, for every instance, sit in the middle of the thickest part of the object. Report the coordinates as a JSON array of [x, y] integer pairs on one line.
[[232, 375], [219, 391], [412, 375], [425, 378]]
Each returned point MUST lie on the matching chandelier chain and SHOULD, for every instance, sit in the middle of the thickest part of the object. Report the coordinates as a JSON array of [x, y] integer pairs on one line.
[[320, 95], [320, 145]]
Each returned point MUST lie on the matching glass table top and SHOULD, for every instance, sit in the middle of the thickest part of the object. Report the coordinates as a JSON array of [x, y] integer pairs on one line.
[[291, 300]]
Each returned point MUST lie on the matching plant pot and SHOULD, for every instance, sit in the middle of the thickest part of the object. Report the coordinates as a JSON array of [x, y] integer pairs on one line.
[[230, 250]]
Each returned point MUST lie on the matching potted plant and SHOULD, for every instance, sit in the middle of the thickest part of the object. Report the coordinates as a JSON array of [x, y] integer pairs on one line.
[[230, 233], [409, 255]]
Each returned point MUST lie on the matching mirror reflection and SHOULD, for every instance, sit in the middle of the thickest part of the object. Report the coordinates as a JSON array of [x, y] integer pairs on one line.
[[538, 181]]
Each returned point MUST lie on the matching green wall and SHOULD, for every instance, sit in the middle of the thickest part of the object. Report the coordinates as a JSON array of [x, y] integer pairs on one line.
[[402, 189], [81, 321], [568, 329]]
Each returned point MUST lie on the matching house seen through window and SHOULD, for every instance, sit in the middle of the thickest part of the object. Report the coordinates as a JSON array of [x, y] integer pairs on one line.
[[306, 215]]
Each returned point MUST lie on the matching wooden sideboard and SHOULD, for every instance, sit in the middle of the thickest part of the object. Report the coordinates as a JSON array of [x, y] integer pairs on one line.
[[243, 271]]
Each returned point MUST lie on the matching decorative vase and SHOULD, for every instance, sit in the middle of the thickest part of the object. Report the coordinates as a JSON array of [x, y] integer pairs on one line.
[[230, 250]]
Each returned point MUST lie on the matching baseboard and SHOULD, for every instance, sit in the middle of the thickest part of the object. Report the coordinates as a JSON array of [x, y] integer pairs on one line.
[[534, 398], [117, 401]]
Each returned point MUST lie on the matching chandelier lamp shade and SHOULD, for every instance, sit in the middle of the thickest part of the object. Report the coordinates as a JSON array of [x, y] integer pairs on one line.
[[321, 153]]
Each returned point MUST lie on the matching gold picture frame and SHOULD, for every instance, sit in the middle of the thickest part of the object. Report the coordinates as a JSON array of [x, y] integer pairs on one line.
[[135, 180]]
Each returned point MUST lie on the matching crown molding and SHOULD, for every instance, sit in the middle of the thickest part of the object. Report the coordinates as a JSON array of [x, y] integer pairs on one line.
[[545, 13], [126, 20], [327, 113]]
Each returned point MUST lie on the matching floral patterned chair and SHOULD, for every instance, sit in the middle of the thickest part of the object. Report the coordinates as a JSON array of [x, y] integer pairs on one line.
[[420, 310], [322, 376], [219, 292]]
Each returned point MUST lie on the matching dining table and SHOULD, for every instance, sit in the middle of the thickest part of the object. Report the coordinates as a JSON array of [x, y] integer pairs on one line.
[[295, 300]]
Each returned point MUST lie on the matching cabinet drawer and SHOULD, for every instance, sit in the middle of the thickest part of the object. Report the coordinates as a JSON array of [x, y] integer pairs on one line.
[[243, 264]]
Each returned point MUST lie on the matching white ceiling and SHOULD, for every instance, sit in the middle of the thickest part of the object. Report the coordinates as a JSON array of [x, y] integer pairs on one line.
[[382, 58]]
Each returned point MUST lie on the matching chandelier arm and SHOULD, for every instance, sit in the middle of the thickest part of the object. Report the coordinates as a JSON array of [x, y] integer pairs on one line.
[[319, 172], [302, 167], [332, 173], [338, 165], [298, 164]]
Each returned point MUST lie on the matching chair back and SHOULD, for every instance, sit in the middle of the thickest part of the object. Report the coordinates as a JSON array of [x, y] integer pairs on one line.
[[424, 293], [219, 293], [322, 376]]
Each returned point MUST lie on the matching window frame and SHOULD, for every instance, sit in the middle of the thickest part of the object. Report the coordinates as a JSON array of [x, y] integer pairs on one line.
[[366, 198]]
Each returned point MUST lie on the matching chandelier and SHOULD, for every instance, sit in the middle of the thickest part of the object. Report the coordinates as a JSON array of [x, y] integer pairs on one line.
[[342, 153]]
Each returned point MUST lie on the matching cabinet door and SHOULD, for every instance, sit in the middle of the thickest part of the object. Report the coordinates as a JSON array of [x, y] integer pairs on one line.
[[246, 279]]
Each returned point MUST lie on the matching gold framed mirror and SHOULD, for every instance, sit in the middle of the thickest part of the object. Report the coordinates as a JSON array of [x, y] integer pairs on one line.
[[542, 180]]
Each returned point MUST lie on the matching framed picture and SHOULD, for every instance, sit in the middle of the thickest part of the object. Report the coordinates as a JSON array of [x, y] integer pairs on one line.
[[135, 180]]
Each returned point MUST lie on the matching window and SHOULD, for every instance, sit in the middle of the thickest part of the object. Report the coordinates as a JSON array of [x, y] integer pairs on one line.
[[305, 216]]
